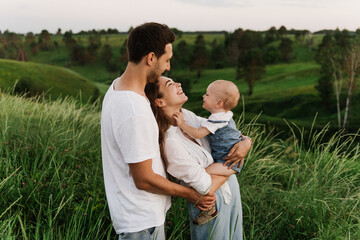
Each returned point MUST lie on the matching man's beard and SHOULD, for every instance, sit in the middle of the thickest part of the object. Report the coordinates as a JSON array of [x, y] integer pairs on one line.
[[153, 75]]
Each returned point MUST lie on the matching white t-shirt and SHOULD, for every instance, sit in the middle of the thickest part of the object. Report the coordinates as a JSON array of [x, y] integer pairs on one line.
[[129, 134], [187, 160], [221, 116]]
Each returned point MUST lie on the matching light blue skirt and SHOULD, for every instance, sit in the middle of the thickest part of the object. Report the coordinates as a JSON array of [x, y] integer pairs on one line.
[[228, 224]]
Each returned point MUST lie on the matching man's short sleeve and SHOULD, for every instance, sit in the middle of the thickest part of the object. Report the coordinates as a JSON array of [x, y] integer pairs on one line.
[[137, 139]]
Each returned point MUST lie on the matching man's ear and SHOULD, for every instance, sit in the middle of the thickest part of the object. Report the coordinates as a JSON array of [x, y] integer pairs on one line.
[[159, 102], [150, 58]]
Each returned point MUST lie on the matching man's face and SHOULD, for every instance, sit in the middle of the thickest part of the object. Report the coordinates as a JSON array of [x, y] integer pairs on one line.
[[162, 64]]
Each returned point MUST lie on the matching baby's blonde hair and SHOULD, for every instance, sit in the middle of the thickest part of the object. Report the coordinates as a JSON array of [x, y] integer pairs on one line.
[[228, 92]]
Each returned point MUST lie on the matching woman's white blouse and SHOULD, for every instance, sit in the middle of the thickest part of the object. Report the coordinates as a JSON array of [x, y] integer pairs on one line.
[[187, 160]]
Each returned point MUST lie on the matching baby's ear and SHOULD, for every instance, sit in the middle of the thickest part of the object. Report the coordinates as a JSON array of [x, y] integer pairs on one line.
[[220, 104], [159, 102]]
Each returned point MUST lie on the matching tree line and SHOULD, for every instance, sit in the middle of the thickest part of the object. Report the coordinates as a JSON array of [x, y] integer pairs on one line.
[[245, 50], [237, 50]]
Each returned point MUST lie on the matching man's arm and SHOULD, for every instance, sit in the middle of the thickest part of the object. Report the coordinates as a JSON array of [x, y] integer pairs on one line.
[[145, 179], [238, 152], [193, 132]]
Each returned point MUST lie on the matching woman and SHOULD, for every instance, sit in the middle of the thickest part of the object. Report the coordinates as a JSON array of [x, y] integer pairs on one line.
[[186, 159]]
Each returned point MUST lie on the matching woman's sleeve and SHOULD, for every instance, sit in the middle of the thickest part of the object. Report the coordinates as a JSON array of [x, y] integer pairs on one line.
[[181, 165]]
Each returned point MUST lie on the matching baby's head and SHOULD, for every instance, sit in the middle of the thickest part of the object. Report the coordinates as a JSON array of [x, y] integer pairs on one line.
[[221, 95]]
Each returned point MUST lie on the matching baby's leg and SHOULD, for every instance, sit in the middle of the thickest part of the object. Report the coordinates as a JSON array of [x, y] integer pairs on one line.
[[219, 169]]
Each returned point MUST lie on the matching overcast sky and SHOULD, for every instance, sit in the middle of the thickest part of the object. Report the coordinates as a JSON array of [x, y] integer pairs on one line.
[[23, 16]]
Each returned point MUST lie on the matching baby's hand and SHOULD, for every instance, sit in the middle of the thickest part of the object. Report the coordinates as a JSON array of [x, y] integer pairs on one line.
[[179, 119]]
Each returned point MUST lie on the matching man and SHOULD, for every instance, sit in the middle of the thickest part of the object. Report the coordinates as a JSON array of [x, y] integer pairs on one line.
[[137, 190]]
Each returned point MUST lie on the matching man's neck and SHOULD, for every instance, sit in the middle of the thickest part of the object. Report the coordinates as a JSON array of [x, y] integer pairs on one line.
[[133, 79]]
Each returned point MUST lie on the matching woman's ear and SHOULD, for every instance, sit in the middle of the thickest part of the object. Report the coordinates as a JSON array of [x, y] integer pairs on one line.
[[159, 102], [150, 58]]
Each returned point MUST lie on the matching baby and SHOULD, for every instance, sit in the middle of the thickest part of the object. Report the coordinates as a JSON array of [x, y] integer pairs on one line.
[[221, 96]]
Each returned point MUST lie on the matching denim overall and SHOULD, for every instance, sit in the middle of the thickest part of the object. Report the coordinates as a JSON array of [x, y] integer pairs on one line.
[[223, 140]]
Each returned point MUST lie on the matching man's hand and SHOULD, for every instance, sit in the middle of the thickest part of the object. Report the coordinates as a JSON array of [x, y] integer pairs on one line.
[[238, 152], [202, 202], [179, 119]]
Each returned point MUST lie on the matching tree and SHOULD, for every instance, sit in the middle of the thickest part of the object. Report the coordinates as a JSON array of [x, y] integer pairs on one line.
[[177, 32], [29, 38], [22, 54], [282, 31], [181, 55], [78, 54], [251, 67], [271, 35], [58, 31], [123, 59], [286, 50], [10, 42], [246, 48], [106, 54], [339, 57], [200, 57], [218, 56], [358, 32], [68, 39], [233, 47], [352, 68], [94, 42], [272, 55], [34, 48], [45, 43]]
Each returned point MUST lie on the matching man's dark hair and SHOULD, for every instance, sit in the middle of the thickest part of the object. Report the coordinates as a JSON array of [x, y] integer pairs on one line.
[[146, 38]]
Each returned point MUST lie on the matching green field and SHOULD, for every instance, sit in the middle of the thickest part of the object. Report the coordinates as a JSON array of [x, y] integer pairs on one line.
[[52, 183]]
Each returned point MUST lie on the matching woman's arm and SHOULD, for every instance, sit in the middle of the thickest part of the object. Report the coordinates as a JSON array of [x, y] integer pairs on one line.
[[217, 182], [145, 179], [182, 165]]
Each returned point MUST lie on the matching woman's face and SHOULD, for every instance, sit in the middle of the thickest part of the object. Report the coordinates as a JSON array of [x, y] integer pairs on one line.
[[173, 95]]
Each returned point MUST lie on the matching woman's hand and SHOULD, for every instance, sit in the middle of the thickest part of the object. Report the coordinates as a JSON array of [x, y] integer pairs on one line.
[[237, 154]]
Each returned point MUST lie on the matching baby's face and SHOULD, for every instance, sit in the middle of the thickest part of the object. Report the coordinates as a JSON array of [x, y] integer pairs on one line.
[[211, 98]]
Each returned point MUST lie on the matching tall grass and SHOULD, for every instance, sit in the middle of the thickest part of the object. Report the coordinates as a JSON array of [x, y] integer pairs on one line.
[[301, 187], [50, 168], [52, 185]]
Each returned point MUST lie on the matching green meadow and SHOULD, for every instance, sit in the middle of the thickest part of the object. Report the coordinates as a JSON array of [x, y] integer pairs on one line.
[[301, 178], [52, 183]]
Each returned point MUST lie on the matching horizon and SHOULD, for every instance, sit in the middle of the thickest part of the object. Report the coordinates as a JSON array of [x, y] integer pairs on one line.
[[190, 32], [23, 16]]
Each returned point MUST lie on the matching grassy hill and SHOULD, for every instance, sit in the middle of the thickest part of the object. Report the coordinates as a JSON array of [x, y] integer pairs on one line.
[[36, 78]]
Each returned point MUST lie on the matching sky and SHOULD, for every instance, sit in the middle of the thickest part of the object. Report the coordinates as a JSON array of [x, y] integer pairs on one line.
[[22, 16]]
